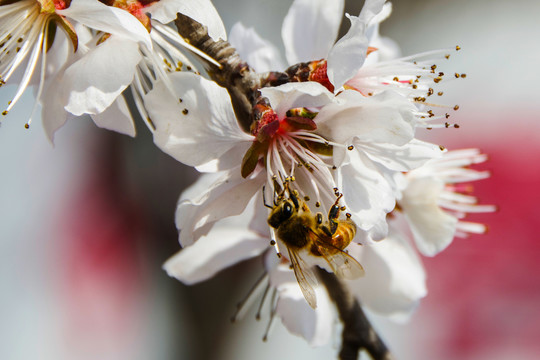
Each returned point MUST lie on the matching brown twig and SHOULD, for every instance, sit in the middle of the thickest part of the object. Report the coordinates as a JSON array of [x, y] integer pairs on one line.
[[234, 74], [357, 333]]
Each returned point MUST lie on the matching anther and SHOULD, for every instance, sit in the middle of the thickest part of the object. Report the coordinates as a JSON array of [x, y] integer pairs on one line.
[[463, 76], [456, 75], [456, 108], [437, 79], [185, 111], [456, 126], [441, 147], [350, 147], [317, 204], [440, 93], [272, 242], [180, 100], [458, 48], [348, 215], [27, 126]]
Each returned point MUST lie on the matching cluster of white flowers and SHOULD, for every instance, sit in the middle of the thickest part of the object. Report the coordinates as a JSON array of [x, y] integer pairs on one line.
[[91, 52], [341, 127]]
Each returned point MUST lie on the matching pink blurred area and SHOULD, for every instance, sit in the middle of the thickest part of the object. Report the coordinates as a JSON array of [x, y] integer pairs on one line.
[[103, 275], [484, 291]]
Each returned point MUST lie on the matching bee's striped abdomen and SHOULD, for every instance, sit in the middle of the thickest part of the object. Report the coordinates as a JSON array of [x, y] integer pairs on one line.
[[344, 234]]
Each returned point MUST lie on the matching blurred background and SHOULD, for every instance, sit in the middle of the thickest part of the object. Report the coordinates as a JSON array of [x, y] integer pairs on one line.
[[85, 225]]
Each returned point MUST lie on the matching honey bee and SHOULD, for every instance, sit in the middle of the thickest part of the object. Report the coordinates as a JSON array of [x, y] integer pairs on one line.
[[308, 234]]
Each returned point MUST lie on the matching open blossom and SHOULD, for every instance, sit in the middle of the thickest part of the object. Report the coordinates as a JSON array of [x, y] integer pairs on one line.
[[361, 60], [110, 64], [354, 137], [328, 143], [34, 36], [393, 285], [354, 143], [436, 199]]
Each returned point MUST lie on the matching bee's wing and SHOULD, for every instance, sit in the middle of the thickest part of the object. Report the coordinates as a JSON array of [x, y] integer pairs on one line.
[[305, 277], [341, 263]]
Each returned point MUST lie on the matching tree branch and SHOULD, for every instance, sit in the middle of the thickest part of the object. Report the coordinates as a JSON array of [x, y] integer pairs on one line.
[[357, 333]]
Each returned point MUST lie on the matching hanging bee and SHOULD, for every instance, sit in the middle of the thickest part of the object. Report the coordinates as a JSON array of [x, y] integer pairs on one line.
[[308, 234]]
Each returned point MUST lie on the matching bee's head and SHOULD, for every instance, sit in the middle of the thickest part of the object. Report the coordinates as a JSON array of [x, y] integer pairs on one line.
[[282, 212]]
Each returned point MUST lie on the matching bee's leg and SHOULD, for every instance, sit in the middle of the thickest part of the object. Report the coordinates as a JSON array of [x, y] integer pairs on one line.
[[333, 215], [319, 218]]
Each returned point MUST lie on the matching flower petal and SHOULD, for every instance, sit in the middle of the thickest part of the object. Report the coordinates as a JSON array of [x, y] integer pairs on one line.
[[224, 246], [293, 95], [349, 53], [402, 158], [53, 115], [310, 29], [98, 78], [116, 118], [384, 118], [202, 11], [395, 280], [369, 196], [387, 48], [107, 19], [259, 53], [314, 325], [215, 197], [433, 228], [196, 124]]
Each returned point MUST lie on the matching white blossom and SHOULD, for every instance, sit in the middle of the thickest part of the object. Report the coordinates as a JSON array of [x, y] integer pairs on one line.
[[25, 32], [393, 285], [436, 199], [137, 54]]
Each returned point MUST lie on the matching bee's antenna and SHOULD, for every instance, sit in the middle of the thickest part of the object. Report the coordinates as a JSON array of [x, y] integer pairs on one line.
[[264, 198], [277, 189]]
